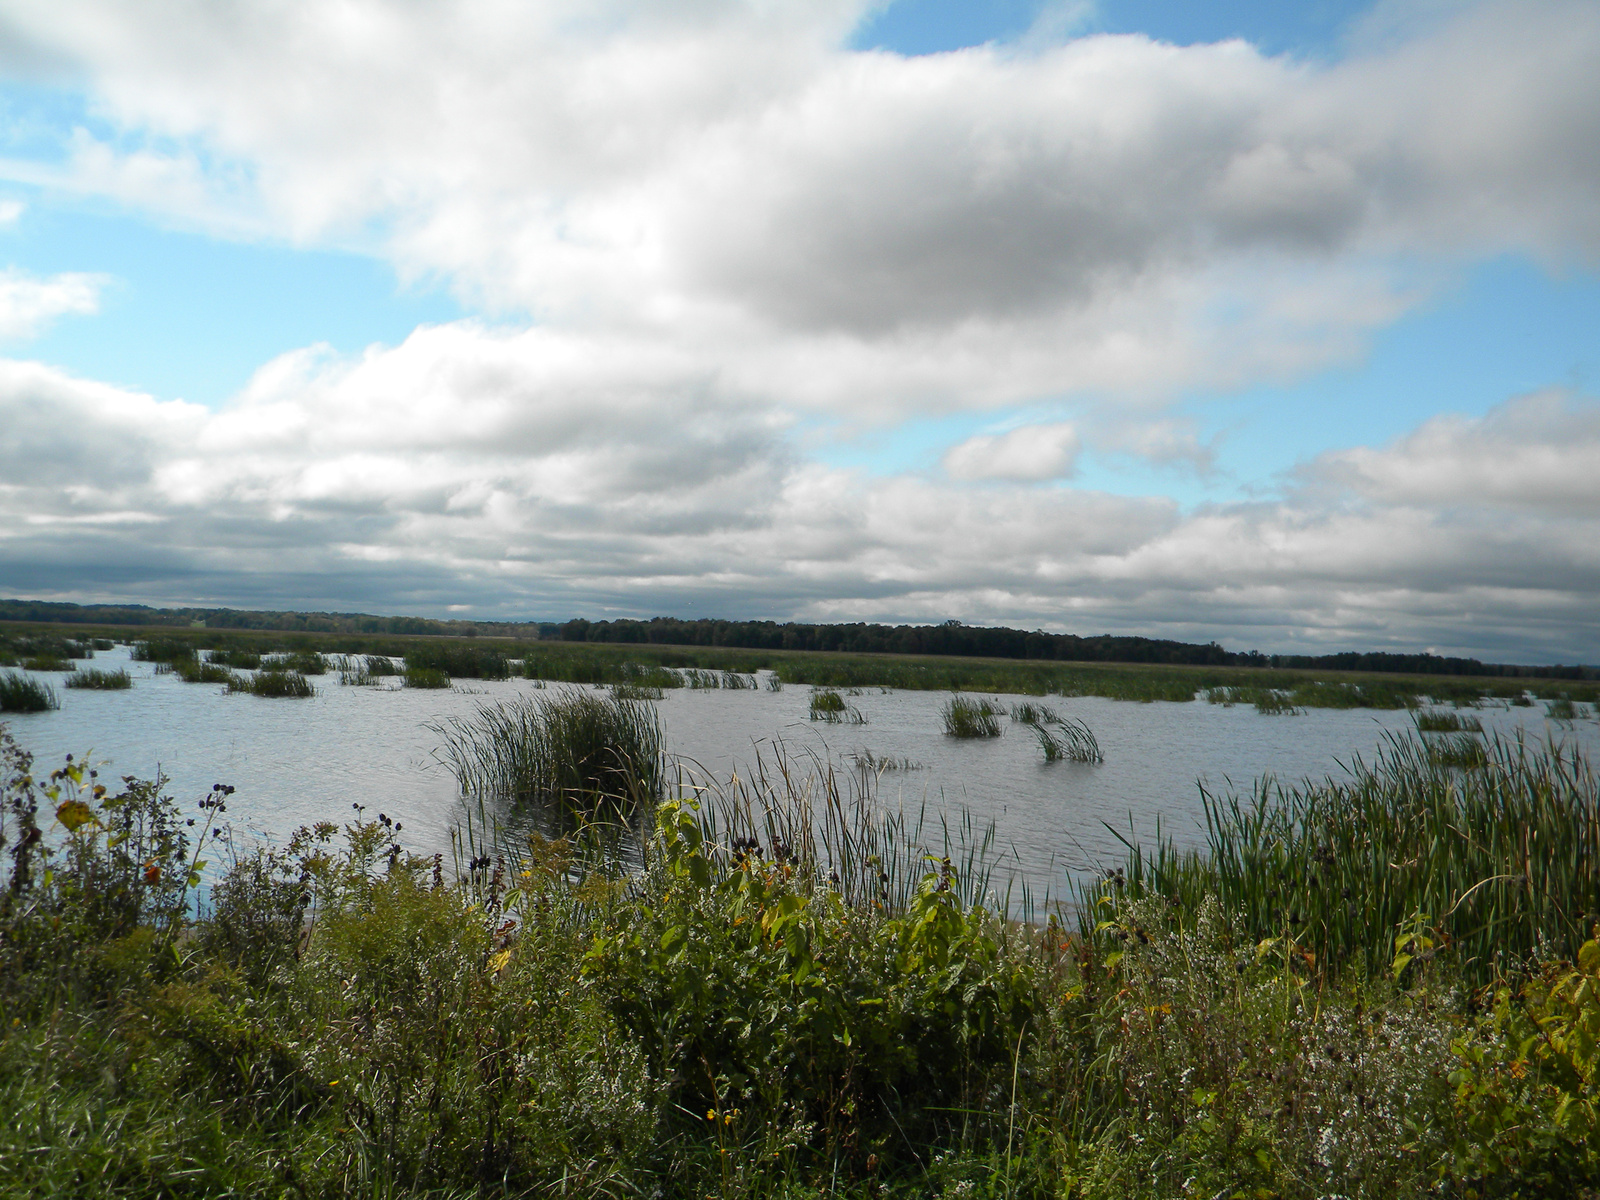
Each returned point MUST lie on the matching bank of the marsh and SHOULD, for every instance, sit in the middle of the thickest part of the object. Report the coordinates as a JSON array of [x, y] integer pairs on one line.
[[783, 996]]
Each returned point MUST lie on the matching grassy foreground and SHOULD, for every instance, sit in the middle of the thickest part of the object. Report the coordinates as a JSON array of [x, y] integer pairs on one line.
[[781, 996]]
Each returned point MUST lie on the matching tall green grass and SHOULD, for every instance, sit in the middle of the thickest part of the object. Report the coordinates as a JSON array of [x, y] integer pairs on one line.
[[1068, 739], [460, 661], [577, 751], [23, 693], [1444, 720], [1501, 857], [273, 684], [426, 677], [192, 670], [964, 717], [98, 680]]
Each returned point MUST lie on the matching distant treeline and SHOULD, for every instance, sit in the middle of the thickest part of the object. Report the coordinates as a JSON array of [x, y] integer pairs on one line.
[[952, 638], [955, 639]]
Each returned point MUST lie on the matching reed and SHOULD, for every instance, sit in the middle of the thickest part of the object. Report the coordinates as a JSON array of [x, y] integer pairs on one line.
[[24, 694], [1501, 857], [1444, 720], [426, 677], [1561, 709], [100, 681], [44, 662], [1030, 713], [273, 684], [636, 691], [574, 751], [830, 707], [162, 650], [964, 717], [192, 670], [1070, 740], [243, 660], [459, 661]]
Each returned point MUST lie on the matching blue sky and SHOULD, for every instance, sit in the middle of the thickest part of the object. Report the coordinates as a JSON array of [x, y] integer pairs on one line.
[[1210, 340]]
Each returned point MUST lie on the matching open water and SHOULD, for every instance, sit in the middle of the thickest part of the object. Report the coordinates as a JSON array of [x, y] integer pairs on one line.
[[298, 761]]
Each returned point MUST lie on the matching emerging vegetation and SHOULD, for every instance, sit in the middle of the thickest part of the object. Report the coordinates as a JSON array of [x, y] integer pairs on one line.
[[275, 684], [829, 706], [23, 693], [965, 717], [97, 680], [580, 752]]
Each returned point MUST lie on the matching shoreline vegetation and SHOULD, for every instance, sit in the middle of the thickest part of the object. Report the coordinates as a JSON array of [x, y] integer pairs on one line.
[[213, 656], [770, 986]]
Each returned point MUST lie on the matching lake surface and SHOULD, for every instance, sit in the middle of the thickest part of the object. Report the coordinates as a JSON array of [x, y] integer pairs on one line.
[[298, 761]]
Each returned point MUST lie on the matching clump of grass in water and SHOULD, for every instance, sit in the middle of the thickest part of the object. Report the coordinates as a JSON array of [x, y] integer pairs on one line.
[[101, 681], [194, 671], [875, 764], [1029, 713], [303, 662], [274, 684], [636, 691], [1561, 709], [461, 662], [47, 662], [1070, 740], [23, 693], [426, 677], [1444, 720], [161, 650], [575, 750], [738, 682], [243, 660], [967, 718], [829, 706]]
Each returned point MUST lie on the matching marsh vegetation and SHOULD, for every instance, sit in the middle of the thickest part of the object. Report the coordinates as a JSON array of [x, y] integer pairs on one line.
[[791, 992]]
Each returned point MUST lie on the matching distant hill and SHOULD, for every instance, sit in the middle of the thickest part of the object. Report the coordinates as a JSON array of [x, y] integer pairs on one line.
[[952, 638]]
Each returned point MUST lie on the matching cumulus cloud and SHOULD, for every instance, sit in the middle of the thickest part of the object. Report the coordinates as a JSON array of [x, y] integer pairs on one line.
[[951, 230], [1032, 452], [540, 488], [1536, 453], [29, 303], [703, 225]]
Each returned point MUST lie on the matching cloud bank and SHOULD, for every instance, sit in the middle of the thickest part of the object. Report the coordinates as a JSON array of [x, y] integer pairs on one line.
[[696, 232]]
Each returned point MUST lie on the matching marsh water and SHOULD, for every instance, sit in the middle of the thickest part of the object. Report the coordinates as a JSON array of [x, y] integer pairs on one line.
[[298, 761]]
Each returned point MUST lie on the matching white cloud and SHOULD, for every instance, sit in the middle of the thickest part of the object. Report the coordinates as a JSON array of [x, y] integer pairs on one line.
[[1539, 452], [29, 303], [500, 469], [1032, 452], [1106, 214]]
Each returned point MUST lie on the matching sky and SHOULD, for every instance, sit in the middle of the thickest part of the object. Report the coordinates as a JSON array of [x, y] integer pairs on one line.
[[1274, 324]]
